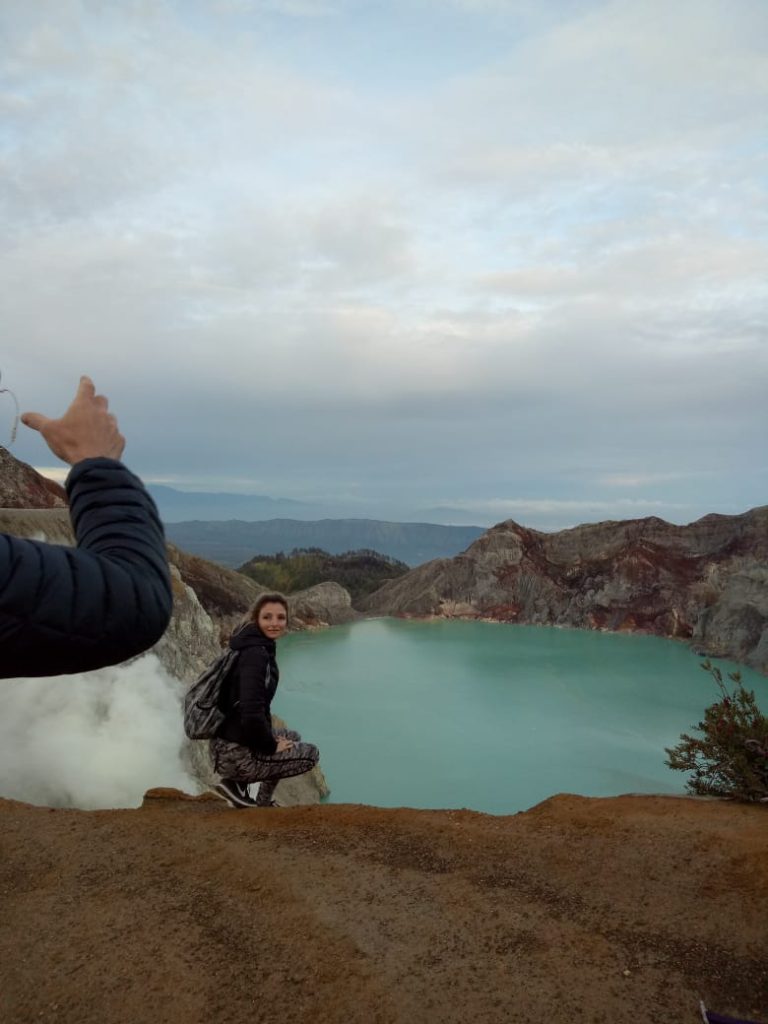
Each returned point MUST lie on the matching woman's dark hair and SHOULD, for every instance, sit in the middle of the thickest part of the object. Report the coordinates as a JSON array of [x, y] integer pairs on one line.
[[253, 614]]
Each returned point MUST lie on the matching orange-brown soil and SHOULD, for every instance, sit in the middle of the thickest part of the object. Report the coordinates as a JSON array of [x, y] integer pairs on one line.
[[187, 912]]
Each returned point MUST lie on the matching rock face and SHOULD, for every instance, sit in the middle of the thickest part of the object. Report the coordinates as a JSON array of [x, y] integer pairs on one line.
[[23, 487], [325, 604], [226, 595], [193, 637], [49, 524], [706, 582]]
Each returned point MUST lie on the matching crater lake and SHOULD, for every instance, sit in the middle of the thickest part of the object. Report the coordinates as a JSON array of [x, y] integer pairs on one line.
[[493, 717]]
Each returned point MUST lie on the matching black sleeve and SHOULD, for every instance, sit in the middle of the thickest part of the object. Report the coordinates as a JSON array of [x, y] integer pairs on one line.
[[252, 702], [68, 609]]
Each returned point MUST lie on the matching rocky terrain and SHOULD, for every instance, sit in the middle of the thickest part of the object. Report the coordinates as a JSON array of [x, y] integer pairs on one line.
[[22, 487], [706, 583], [186, 912]]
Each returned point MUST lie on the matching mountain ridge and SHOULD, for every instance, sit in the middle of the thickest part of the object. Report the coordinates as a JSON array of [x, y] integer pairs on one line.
[[234, 542], [705, 582]]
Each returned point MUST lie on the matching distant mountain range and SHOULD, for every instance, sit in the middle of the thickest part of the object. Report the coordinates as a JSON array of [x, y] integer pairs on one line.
[[182, 506], [234, 542]]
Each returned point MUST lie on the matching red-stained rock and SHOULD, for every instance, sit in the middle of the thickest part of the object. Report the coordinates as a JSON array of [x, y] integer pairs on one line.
[[21, 486], [706, 582]]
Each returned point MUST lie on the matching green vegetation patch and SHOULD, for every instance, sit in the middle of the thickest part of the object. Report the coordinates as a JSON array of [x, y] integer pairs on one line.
[[730, 756], [359, 572]]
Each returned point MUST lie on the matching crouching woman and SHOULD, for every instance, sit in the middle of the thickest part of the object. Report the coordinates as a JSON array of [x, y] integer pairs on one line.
[[247, 748]]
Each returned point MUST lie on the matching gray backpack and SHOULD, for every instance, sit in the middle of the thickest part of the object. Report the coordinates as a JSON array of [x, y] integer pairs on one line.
[[203, 716]]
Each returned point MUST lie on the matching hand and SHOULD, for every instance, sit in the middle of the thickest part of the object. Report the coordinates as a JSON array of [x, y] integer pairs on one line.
[[283, 744], [86, 430]]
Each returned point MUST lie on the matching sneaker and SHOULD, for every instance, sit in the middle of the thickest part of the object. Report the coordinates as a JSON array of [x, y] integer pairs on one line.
[[235, 793], [243, 788]]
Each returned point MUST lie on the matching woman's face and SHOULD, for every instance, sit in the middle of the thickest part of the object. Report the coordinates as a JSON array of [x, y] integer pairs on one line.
[[272, 620]]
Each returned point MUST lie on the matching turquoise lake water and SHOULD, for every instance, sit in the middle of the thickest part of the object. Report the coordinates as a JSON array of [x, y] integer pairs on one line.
[[488, 716]]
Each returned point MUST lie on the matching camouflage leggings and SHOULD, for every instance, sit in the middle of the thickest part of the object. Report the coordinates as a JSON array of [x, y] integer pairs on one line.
[[233, 761]]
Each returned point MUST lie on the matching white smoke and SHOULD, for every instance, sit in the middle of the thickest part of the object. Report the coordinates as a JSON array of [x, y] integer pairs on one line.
[[95, 740]]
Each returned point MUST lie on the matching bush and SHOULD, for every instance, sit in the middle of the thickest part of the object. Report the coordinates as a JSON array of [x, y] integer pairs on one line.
[[361, 572], [731, 757]]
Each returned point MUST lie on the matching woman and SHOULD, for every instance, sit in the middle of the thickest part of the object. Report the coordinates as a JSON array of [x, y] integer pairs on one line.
[[247, 749]]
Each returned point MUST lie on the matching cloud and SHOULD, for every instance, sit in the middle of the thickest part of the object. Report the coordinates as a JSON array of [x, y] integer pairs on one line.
[[287, 8], [117, 108], [683, 269], [99, 739], [534, 244], [543, 506], [622, 77], [57, 473], [552, 514], [644, 479]]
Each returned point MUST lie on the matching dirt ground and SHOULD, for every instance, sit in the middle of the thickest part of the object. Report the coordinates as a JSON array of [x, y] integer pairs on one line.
[[187, 912]]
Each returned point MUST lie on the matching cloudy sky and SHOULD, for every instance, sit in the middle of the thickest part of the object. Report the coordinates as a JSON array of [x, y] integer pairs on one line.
[[496, 257]]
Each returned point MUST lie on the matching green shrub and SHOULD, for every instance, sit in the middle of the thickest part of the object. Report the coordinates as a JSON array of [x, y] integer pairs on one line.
[[730, 759], [361, 572]]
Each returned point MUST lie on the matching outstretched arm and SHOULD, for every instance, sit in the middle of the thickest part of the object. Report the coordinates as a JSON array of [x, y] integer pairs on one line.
[[72, 609]]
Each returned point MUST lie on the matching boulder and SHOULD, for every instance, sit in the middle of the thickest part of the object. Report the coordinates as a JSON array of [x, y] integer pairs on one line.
[[325, 604]]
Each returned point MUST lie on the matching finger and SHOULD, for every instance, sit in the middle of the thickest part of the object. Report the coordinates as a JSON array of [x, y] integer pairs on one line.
[[34, 420], [85, 390], [102, 401]]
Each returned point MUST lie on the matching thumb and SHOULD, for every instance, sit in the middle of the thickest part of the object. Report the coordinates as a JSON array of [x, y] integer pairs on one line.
[[34, 420]]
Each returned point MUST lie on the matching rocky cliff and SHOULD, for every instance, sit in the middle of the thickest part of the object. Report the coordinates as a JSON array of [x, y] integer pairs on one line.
[[23, 487], [706, 582]]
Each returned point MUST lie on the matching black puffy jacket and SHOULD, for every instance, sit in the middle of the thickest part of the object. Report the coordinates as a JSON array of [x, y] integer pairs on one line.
[[249, 691], [65, 609]]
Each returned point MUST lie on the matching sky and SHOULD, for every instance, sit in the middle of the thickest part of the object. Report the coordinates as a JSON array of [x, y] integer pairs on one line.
[[464, 260]]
